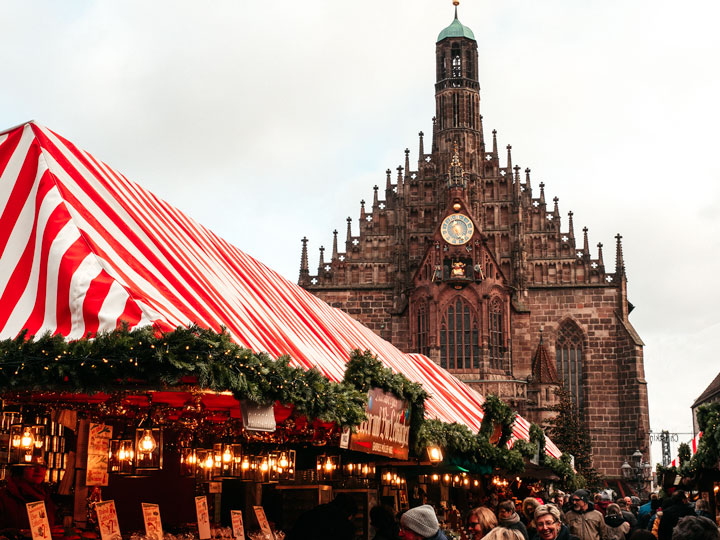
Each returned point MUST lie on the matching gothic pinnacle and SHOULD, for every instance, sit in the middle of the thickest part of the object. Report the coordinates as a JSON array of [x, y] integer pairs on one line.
[[362, 209], [542, 192], [556, 211], [304, 269], [322, 259], [571, 227], [509, 160], [335, 250], [586, 245], [349, 230], [407, 160], [619, 261], [495, 143], [527, 181], [388, 181], [375, 196], [421, 150], [601, 263], [400, 175]]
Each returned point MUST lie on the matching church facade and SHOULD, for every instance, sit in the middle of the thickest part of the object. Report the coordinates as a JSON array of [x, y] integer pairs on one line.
[[459, 257]]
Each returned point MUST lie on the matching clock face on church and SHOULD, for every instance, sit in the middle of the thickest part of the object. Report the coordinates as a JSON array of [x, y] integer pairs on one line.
[[457, 229]]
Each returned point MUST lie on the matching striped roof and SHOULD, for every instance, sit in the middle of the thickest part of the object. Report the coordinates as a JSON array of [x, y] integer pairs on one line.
[[83, 249]]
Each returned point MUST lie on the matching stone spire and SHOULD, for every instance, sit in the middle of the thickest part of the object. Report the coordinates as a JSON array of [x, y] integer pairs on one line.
[[571, 226], [304, 268], [388, 182], [619, 261], [495, 143], [407, 161], [362, 210], [542, 193], [508, 172], [348, 238], [528, 189], [601, 263], [335, 249], [375, 197], [421, 149], [321, 263], [586, 245]]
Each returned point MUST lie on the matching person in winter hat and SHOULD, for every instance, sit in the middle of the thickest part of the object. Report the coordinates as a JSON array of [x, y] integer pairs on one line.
[[617, 526], [583, 520], [420, 523]]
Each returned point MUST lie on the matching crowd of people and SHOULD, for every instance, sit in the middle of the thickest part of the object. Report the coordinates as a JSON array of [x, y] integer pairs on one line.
[[576, 516]]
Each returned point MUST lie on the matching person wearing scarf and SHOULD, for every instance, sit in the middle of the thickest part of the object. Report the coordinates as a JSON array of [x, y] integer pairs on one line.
[[509, 518]]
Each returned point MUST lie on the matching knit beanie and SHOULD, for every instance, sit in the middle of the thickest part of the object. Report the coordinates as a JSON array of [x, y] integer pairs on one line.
[[582, 494], [421, 520]]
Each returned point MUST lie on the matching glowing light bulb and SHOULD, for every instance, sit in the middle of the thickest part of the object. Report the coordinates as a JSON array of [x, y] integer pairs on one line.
[[328, 465], [264, 466], [192, 458], [148, 443], [209, 462], [283, 461], [227, 455], [245, 465], [122, 454], [27, 439]]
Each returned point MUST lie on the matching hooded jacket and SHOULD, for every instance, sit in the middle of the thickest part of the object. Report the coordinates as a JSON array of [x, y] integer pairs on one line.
[[588, 524], [617, 527]]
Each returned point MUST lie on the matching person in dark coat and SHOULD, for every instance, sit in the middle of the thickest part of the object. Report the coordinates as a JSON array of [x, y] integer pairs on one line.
[[549, 526], [695, 528], [331, 521], [382, 519], [702, 509], [509, 518], [24, 485], [677, 507]]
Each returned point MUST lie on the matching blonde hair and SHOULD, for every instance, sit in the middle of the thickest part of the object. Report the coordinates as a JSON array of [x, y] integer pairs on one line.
[[551, 509], [486, 518], [502, 533]]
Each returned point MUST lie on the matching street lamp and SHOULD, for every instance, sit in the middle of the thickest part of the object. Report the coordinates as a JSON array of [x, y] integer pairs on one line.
[[640, 471]]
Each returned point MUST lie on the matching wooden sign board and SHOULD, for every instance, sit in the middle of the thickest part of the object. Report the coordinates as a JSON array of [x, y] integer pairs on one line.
[[153, 524], [98, 451], [386, 431], [107, 520], [39, 524], [203, 517], [263, 522], [238, 528]]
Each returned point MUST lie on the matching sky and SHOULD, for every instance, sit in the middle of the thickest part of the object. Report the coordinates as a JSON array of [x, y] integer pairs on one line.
[[270, 121]]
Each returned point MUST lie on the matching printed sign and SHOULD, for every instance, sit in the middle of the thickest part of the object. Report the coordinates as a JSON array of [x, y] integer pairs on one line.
[[238, 528], [263, 522], [345, 438], [98, 450], [387, 429], [203, 517], [39, 524], [153, 525], [107, 520]]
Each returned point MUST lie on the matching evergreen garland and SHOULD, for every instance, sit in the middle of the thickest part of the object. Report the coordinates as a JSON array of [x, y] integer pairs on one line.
[[142, 359]]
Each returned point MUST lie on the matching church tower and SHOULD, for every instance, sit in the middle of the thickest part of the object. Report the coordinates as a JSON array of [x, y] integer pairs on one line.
[[460, 259]]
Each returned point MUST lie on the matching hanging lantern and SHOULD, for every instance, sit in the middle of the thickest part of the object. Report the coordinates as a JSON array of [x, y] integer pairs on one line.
[[188, 461], [148, 446], [27, 444], [246, 467], [122, 456]]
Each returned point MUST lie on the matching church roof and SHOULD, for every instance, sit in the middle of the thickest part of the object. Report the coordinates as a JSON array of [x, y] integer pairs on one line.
[[456, 29], [709, 392], [543, 370]]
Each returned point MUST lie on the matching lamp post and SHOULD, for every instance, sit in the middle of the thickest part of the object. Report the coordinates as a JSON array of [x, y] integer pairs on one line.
[[637, 470]]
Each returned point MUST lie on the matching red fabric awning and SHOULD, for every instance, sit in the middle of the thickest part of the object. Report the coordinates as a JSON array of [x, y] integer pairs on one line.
[[83, 249]]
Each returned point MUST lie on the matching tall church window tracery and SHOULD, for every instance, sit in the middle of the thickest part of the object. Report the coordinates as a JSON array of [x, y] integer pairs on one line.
[[456, 61], [459, 343], [422, 331], [496, 342], [569, 359]]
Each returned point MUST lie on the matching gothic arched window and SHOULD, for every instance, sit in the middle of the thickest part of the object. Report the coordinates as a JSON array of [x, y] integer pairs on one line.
[[569, 357], [459, 343], [422, 331], [496, 331]]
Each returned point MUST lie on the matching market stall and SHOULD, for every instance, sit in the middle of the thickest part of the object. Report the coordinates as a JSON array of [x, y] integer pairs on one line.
[[207, 365]]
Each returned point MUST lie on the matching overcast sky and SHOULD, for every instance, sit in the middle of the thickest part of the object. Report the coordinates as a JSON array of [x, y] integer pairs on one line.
[[268, 121]]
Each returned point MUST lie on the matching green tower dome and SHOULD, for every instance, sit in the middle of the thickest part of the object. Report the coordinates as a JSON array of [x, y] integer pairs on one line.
[[456, 29]]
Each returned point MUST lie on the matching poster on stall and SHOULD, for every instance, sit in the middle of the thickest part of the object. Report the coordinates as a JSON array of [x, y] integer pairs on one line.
[[386, 430], [203, 517], [107, 520], [39, 524], [98, 450], [237, 524], [263, 522], [153, 525]]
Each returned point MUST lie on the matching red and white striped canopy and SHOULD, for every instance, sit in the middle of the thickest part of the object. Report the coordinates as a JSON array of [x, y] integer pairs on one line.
[[83, 249]]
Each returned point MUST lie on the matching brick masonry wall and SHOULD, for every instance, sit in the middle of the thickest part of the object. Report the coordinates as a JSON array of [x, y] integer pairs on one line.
[[615, 393], [371, 307]]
